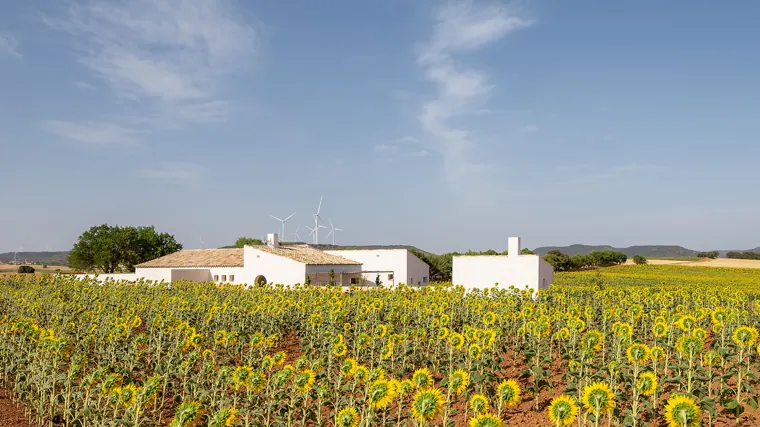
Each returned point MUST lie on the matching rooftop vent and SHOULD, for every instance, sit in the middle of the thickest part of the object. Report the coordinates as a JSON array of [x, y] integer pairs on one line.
[[514, 246], [273, 240]]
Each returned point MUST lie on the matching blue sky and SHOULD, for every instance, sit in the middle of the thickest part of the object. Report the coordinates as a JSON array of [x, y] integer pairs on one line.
[[447, 125]]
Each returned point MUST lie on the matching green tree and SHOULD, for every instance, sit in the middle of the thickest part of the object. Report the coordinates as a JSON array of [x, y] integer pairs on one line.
[[639, 260], [242, 241], [332, 277], [558, 260], [24, 269], [526, 251], [110, 249], [378, 282]]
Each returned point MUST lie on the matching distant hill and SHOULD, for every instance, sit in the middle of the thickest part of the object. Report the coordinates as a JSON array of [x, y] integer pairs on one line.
[[51, 258], [649, 251]]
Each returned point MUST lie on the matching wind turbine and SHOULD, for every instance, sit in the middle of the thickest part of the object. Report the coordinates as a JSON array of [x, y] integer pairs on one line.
[[296, 237], [316, 222], [283, 223], [313, 230], [332, 231], [200, 238]]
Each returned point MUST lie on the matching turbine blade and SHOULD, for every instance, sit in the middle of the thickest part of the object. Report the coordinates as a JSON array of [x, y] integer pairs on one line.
[[278, 219], [331, 224], [291, 216], [330, 233], [320, 205]]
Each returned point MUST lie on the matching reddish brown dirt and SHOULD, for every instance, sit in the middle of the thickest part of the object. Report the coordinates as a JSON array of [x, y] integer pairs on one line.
[[11, 414]]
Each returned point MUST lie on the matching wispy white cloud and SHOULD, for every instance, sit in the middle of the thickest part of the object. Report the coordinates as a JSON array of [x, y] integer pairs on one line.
[[405, 146], [170, 55], [461, 27], [84, 85], [9, 46], [174, 172], [95, 133], [529, 128]]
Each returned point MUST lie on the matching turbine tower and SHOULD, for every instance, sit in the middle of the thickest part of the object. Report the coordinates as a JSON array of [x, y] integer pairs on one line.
[[316, 222], [296, 237], [332, 231], [313, 230], [283, 222]]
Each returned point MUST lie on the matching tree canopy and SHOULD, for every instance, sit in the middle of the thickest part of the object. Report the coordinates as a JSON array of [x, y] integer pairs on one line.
[[242, 241], [112, 249]]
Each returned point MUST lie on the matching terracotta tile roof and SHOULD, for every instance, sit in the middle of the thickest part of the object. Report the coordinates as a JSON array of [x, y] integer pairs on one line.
[[198, 258], [306, 255]]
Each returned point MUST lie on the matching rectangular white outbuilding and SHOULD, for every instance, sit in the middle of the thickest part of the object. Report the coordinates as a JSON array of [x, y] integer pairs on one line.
[[487, 271], [394, 266]]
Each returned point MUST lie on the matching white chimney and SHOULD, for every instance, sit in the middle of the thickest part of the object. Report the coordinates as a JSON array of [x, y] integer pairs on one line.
[[273, 240], [514, 246]]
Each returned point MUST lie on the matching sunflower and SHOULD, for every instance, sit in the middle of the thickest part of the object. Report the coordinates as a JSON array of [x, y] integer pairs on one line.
[[380, 331], [363, 341], [267, 362], [456, 340], [689, 345], [361, 373], [660, 329], [489, 318], [563, 333], [422, 378], [686, 322], [479, 404], [745, 336], [563, 410], [376, 373], [719, 316], [188, 414], [279, 358], [406, 386], [426, 404], [647, 383], [381, 393], [241, 377], [339, 350], [656, 353], [598, 398], [127, 395], [304, 381], [347, 417], [711, 358], [443, 332], [638, 354], [593, 340], [682, 411], [257, 381], [699, 333], [225, 417], [458, 381], [508, 392], [474, 351], [348, 367], [485, 420]]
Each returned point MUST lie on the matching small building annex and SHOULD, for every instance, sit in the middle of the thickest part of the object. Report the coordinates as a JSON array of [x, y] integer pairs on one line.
[[486, 271], [270, 263], [392, 266]]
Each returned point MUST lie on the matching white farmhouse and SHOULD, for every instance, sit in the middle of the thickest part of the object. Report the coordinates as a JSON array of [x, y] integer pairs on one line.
[[520, 271], [270, 263], [394, 266]]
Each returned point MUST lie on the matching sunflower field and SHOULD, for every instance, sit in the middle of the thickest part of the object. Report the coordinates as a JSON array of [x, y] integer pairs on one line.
[[590, 351]]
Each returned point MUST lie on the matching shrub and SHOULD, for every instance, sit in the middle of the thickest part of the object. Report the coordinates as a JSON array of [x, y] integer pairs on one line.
[[26, 269], [639, 260], [711, 254]]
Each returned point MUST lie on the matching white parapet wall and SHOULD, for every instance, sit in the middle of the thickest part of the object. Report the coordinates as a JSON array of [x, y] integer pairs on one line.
[[487, 271]]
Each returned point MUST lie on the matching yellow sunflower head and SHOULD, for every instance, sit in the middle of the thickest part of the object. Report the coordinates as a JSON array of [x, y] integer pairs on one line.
[[682, 411], [647, 383], [422, 378], [563, 410], [598, 398], [638, 354], [458, 381], [745, 336], [187, 414], [304, 381], [485, 420], [225, 417], [456, 340], [660, 329], [474, 351], [361, 373], [426, 404], [479, 403], [347, 417], [508, 392], [381, 393]]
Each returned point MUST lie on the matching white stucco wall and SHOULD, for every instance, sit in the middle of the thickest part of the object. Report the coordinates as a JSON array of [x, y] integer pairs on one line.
[[484, 271], [276, 269], [406, 267]]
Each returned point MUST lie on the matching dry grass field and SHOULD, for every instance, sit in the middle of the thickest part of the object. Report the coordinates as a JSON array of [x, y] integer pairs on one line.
[[6, 269], [718, 262]]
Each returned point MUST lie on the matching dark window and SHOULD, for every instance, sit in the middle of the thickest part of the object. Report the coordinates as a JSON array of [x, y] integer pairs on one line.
[[216, 277], [354, 281], [390, 276], [232, 277], [224, 277], [424, 279]]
